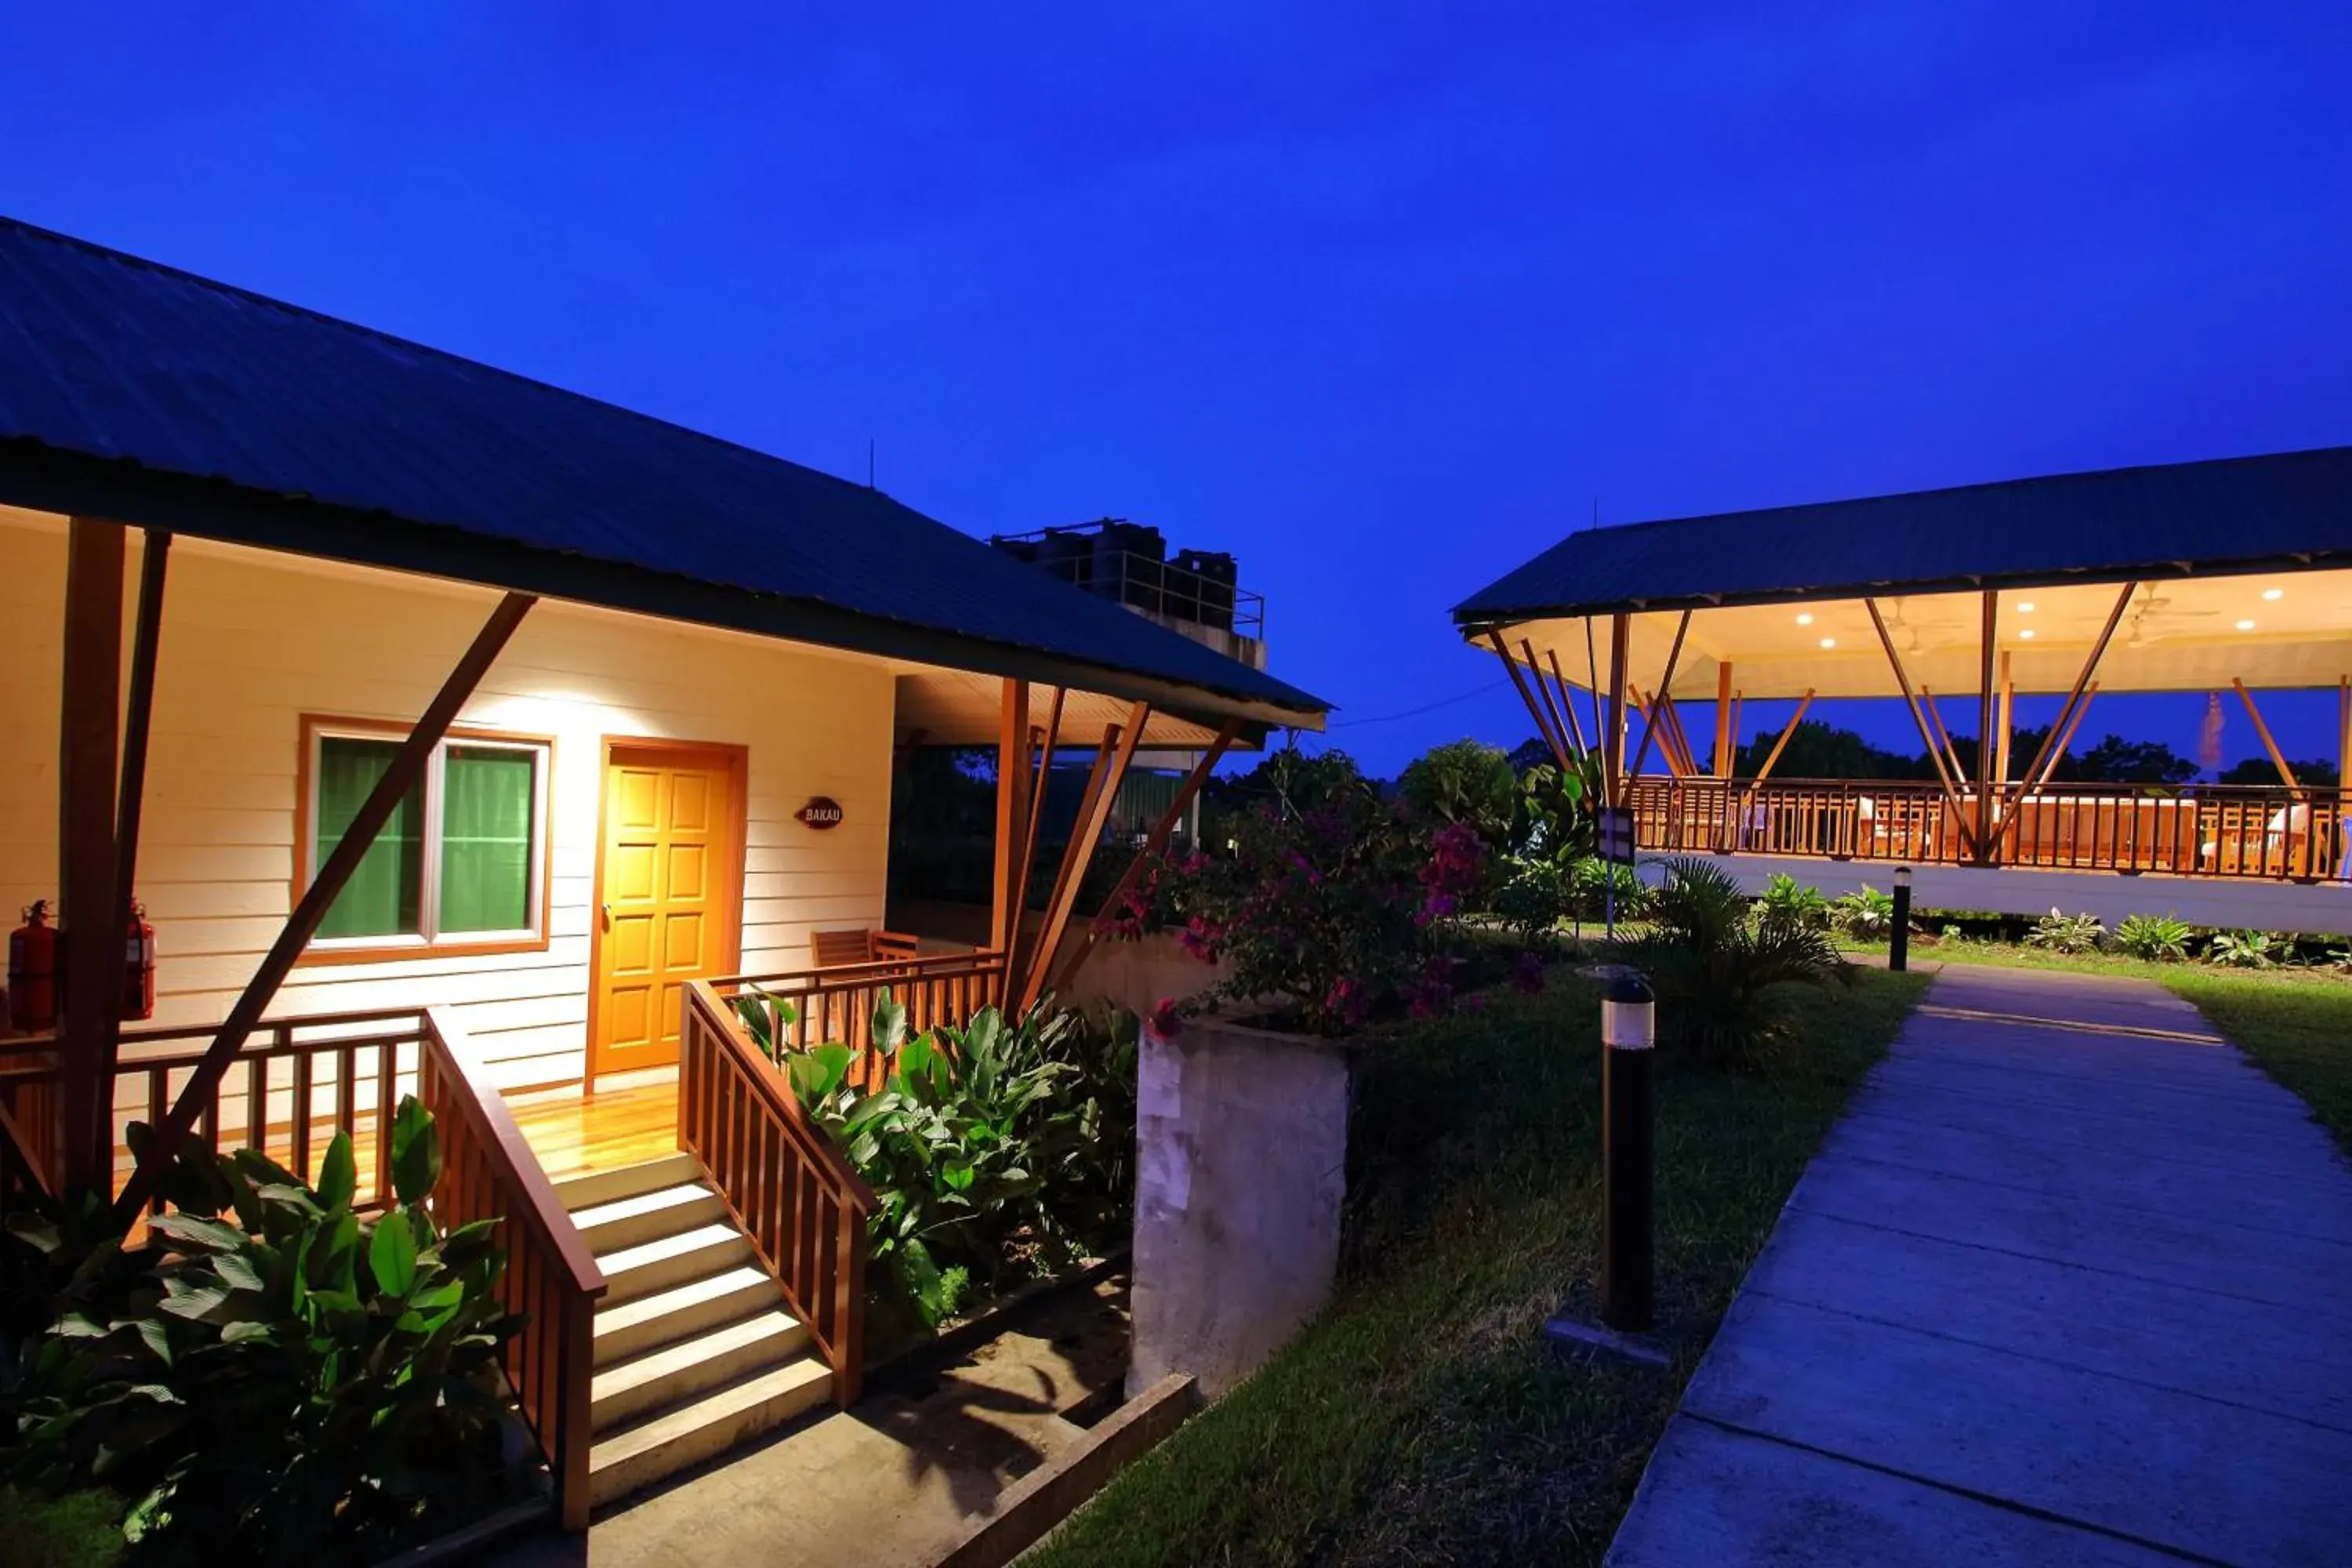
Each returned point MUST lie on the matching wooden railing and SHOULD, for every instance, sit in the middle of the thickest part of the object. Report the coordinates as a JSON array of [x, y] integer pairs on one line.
[[297, 1082], [489, 1172], [836, 1005], [787, 1184], [2242, 831]]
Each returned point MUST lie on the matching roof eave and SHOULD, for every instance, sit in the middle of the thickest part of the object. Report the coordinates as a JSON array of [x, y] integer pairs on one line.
[[44, 479]]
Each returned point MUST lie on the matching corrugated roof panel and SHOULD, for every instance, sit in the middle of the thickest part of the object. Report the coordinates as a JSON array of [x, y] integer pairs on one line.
[[108, 356], [2220, 514]]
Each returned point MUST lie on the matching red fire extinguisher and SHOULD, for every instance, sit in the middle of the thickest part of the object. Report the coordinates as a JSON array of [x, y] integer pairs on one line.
[[138, 965], [33, 972]]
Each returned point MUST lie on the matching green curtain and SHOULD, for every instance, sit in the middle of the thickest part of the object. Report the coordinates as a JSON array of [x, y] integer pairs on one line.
[[382, 897], [487, 794]]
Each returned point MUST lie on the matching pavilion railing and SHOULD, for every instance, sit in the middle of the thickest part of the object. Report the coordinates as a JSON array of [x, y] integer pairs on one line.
[[2263, 832]]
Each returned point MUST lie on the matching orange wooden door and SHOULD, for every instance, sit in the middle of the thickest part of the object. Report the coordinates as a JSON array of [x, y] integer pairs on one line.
[[669, 886]]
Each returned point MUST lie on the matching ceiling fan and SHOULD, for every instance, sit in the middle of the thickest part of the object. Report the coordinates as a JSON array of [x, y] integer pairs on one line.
[[2161, 605]]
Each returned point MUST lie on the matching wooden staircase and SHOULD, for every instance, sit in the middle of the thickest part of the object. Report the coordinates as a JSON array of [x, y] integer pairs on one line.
[[695, 1347]]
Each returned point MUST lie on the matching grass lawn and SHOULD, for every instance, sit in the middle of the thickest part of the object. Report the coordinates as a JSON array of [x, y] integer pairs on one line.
[[2295, 1023], [1424, 1419]]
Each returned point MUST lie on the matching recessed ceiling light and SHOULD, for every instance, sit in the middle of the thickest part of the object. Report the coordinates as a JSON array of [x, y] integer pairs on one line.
[[2275, 592], [1829, 642], [2027, 632], [1805, 620], [2246, 625], [2026, 608]]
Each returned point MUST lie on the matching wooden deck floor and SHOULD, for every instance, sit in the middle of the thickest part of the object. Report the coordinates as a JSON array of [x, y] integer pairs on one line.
[[573, 1133]]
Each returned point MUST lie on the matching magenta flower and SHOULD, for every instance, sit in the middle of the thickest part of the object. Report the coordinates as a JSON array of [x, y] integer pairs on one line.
[[1166, 1021]]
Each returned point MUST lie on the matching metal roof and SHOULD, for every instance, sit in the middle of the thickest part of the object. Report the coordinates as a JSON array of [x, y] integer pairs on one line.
[[2229, 515], [142, 393]]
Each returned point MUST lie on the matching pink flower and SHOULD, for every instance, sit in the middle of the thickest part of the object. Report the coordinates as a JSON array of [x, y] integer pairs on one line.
[[1199, 937], [1166, 1021]]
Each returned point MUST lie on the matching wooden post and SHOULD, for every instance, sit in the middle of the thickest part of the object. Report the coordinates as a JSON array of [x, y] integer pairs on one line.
[[1118, 749], [1551, 737], [1058, 978], [1988, 651], [1567, 701], [2003, 724], [1048, 741], [146, 639], [1613, 738], [1794, 719], [407, 767], [2278, 758], [90, 992], [1723, 729], [1011, 813], [1665, 686]]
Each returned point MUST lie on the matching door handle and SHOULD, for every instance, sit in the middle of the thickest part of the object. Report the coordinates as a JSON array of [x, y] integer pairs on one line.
[[608, 916]]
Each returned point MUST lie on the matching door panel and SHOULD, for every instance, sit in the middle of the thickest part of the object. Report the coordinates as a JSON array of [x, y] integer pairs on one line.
[[666, 910]]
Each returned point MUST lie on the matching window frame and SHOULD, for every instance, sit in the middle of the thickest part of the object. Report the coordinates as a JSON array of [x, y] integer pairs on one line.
[[429, 943]]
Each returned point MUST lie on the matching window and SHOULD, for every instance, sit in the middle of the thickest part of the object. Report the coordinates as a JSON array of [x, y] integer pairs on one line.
[[460, 864]]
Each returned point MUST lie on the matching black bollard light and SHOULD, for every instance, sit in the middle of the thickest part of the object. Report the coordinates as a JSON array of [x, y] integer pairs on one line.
[[1898, 940], [1629, 1029]]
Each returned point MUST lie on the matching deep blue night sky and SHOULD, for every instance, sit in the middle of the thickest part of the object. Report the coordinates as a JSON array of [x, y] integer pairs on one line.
[[1381, 300]]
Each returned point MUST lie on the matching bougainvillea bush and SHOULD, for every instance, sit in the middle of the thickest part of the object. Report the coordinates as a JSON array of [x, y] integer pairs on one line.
[[1326, 907]]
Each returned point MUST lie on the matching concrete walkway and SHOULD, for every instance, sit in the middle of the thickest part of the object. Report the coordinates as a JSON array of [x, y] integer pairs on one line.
[[2048, 1294]]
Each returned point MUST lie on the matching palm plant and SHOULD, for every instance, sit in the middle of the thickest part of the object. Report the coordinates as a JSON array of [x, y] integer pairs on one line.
[[1721, 968]]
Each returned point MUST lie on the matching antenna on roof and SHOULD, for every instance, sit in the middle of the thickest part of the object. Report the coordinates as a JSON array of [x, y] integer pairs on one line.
[[1596, 510], [870, 462]]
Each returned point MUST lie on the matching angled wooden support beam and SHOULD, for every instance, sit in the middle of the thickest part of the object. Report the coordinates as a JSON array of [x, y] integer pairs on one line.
[[1011, 813], [1723, 719], [406, 769], [2076, 698], [1612, 739], [1117, 749], [1569, 746], [1154, 844], [1046, 741], [1943, 735], [1566, 702], [1780, 745], [1674, 746], [1552, 738], [2278, 758], [90, 988], [1738, 709], [2061, 739], [146, 641], [2002, 723], [1665, 686], [1988, 654], [1918, 717], [1681, 733], [1593, 689]]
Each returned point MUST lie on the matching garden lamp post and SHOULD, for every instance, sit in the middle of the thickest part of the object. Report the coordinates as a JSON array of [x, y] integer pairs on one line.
[[1629, 1029], [1898, 939]]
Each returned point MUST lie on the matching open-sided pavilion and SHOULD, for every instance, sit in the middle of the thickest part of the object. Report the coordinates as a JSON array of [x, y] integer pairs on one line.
[[2231, 576]]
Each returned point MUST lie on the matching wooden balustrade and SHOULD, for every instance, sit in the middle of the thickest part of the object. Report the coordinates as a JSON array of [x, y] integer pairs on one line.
[[489, 1172], [837, 1004], [2238, 831], [787, 1184], [297, 1082]]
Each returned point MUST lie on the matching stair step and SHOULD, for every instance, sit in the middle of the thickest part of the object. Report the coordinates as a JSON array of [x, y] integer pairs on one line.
[[648, 1217], [691, 1368], [665, 1316], [634, 1272], [593, 1188], [663, 1444]]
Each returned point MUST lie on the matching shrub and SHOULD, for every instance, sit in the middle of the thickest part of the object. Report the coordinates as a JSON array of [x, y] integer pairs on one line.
[[1329, 911], [298, 1384], [2072, 934], [1466, 781], [1721, 971], [1590, 881], [2245, 949], [2158, 939], [1864, 914], [1532, 898], [1786, 899], [996, 1149]]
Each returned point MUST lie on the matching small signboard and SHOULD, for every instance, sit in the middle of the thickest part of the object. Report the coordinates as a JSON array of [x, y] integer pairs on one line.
[[820, 812], [1615, 826]]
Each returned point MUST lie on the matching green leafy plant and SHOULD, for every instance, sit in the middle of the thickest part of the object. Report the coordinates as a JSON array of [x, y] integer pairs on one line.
[[289, 1382], [1786, 899], [1864, 914], [2071, 934], [996, 1149], [1532, 898], [1950, 932], [2246, 950], [1722, 972], [1463, 781], [2157, 939], [1591, 882]]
